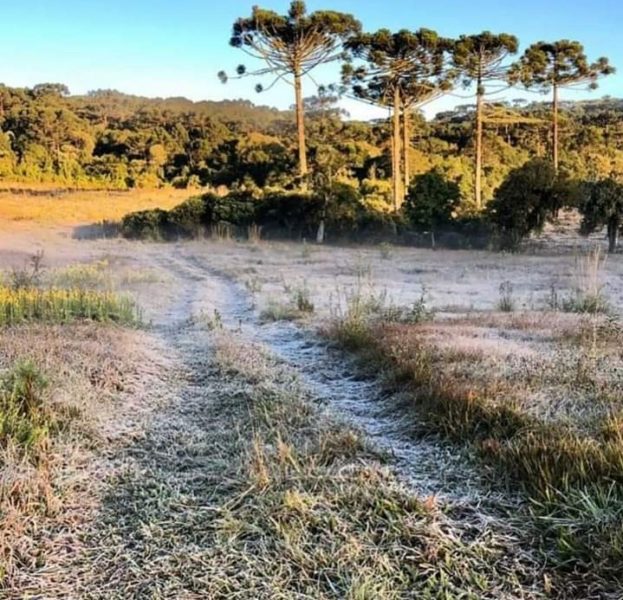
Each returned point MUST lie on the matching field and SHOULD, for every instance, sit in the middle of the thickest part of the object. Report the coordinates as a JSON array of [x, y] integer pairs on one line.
[[283, 420], [28, 206]]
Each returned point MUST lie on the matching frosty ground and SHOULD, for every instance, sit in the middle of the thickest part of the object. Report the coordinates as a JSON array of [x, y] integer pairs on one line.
[[229, 450]]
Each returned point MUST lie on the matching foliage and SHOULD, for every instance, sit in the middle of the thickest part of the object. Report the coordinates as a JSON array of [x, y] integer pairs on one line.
[[401, 70], [63, 305], [111, 140], [292, 46], [145, 224], [563, 63], [480, 59], [602, 205], [432, 201], [553, 66], [528, 197], [24, 420]]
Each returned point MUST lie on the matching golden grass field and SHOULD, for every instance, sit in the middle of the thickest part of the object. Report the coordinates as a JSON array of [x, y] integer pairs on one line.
[[49, 207]]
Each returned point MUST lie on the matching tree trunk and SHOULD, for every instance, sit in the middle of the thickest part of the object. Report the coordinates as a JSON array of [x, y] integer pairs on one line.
[[613, 235], [406, 144], [478, 183], [396, 179], [555, 128], [320, 232], [300, 124]]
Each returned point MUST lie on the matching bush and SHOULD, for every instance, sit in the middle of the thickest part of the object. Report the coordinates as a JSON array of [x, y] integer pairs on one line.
[[238, 208], [295, 213], [146, 224], [527, 198], [431, 202], [188, 218], [23, 418], [602, 205]]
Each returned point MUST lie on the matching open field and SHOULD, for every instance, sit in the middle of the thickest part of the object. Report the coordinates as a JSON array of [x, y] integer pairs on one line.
[[233, 449], [30, 206]]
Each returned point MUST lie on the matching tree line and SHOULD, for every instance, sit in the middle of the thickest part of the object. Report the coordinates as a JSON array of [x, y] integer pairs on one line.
[[404, 70]]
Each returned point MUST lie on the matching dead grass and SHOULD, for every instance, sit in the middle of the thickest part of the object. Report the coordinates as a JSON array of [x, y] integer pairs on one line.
[[49, 207], [540, 404], [48, 492]]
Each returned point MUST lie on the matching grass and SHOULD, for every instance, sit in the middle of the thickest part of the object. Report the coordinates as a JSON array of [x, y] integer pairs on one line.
[[297, 307], [357, 307], [24, 419], [63, 306], [247, 490], [58, 395], [588, 291], [506, 303], [571, 467], [95, 275], [54, 207]]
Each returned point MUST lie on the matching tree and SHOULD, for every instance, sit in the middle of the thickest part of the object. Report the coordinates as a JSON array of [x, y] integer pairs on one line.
[[431, 202], [554, 66], [528, 197], [480, 59], [401, 70], [292, 46], [602, 205], [327, 157]]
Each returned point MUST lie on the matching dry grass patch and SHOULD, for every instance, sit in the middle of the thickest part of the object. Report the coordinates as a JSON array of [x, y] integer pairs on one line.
[[61, 393], [246, 490], [63, 207], [542, 405]]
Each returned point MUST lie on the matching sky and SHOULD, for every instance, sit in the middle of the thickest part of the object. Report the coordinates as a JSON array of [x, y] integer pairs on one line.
[[176, 47]]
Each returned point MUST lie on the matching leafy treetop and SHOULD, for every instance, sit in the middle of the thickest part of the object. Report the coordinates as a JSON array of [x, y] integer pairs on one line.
[[558, 64], [481, 57], [296, 42], [415, 62]]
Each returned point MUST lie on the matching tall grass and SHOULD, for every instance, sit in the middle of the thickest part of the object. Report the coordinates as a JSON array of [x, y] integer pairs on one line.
[[572, 475], [63, 306], [588, 294]]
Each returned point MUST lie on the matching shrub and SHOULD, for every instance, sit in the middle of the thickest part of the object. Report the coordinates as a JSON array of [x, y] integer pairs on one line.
[[237, 208], [527, 198], [431, 202], [24, 420], [602, 205], [146, 224], [188, 218]]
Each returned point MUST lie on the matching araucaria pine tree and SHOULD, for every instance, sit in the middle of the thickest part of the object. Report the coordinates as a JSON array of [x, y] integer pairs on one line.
[[480, 60], [401, 71], [554, 66], [292, 46]]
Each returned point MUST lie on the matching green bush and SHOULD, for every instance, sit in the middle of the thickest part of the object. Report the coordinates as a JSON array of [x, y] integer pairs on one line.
[[146, 224], [602, 205], [431, 202], [24, 420], [238, 208], [188, 218], [527, 198]]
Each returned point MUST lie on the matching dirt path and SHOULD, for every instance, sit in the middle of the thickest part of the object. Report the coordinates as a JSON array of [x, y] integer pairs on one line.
[[426, 464], [155, 533]]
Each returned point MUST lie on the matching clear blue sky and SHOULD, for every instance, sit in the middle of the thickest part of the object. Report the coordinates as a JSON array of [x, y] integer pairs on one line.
[[176, 47]]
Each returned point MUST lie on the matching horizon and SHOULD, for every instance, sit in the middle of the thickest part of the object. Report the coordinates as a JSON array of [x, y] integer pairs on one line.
[[164, 51]]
